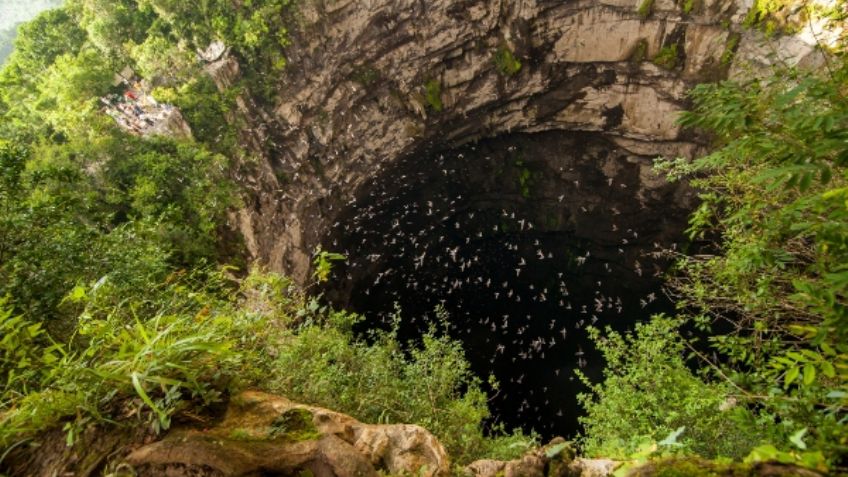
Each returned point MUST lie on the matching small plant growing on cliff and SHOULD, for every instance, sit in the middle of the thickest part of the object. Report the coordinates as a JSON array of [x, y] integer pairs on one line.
[[730, 48], [639, 51], [365, 75], [645, 9], [506, 62], [690, 6], [433, 94], [323, 263], [667, 57], [524, 178]]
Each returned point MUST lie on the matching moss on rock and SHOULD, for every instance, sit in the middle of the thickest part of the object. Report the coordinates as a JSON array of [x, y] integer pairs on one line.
[[696, 467], [296, 425]]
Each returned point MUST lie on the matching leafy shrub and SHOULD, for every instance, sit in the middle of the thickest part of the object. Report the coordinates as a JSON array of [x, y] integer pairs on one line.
[[384, 382], [149, 366], [172, 348], [773, 194], [205, 109], [667, 57], [119, 206], [648, 392]]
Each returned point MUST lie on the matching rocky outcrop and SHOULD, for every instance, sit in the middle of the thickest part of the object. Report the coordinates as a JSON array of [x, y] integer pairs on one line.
[[259, 434], [553, 460], [695, 467], [263, 434], [370, 82], [557, 460]]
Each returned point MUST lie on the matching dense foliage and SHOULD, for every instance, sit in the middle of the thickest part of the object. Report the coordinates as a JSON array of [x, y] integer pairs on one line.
[[649, 392], [775, 194], [767, 301], [116, 303], [145, 358]]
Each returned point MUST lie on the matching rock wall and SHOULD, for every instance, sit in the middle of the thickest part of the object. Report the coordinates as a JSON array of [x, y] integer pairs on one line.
[[372, 81]]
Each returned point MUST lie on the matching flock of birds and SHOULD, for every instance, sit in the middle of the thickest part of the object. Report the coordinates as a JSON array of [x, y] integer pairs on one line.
[[519, 289]]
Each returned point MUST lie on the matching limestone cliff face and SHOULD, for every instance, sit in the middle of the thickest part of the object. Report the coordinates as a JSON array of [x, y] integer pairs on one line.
[[372, 81]]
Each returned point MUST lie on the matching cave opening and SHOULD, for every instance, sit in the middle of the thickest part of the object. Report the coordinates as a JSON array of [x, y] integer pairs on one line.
[[525, 240]]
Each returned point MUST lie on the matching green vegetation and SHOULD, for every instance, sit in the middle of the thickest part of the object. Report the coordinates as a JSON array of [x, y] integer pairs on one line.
[[767, 298], [788, 16], [667, 57], [294, 425], [185, 343], [768, 15], [506, 62], [323, 263], [430, 385], [645, 9], [433, 94], [524, 178], [648, 391], [730, 48], [778, 204], [639, 52], [118, 304], [692, 6]]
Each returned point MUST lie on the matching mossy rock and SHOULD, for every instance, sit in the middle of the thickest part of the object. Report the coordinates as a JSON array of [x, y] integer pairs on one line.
[[433, 95], [639, 52], [691, 7], [506, 62], [696, 467], [296, 425], [645, 9], [668, 57]]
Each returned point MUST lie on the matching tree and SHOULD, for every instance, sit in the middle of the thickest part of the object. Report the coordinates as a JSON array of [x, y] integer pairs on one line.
[[775, 199]]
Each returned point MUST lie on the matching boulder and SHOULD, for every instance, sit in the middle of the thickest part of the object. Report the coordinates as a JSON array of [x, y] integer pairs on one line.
[[553, 460], [262, 434]]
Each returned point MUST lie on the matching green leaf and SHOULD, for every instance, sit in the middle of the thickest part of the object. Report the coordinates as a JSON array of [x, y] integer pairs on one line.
[[34, 330], [828, 350], [809, 374], [671, 439], [77, 294], [163, 418], [797, 439], [828, 370], [826, 174], [553, 451], [763, 452], [791, 375]]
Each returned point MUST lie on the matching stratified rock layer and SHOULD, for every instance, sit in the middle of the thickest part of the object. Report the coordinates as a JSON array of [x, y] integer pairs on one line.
[[370, 82]]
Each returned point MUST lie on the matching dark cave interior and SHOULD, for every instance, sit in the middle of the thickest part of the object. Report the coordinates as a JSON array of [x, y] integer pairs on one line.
[[525, 240]]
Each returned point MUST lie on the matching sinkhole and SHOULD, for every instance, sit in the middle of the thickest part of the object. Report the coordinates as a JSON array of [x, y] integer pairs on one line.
[[525, 240]]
